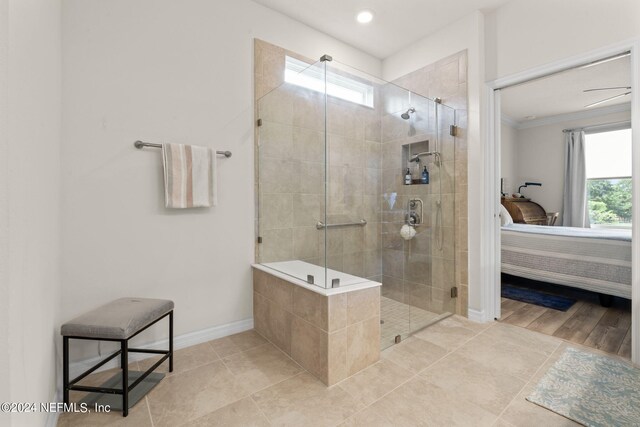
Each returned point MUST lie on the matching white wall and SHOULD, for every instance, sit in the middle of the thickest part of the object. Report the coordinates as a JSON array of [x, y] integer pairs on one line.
[[524, 34], [5, 346], [508, 158], [540, 158], [164, 71], [30, 202]]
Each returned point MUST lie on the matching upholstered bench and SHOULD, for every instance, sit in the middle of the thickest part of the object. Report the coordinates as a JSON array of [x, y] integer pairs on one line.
[[119, 321]]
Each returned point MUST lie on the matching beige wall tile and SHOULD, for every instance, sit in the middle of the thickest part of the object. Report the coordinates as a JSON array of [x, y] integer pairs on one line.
[[362, 305], [305, 242], [277, 290], [418, 268], [337, 357], [310, 177], [372, 181], [309, 347], [276, 140], [276, 211], [373, 153], [277, 175], [308, 109], [372, 236], [417, 295], [372, 263], [307, 210], [272, 322], [337, 312], [353, 263], [393, 288], [311, 306], [353, 239], [275, 106], [393, 263], [308, 145], [363, 344]]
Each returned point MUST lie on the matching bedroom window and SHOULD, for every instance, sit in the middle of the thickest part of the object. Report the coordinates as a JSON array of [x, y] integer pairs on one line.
[[608, 168], [338, 86]]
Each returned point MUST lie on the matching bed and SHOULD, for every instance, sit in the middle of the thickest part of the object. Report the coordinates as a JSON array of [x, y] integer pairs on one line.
[[597, 260]]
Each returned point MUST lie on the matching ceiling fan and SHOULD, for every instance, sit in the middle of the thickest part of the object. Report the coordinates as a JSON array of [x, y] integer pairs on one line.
[[593, 104]]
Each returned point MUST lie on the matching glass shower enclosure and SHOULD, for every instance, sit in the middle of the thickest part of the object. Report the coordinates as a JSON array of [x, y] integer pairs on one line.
[[355, 182]]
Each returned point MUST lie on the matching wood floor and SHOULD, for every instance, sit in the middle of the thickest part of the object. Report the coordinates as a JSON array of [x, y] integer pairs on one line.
[[586, 322]]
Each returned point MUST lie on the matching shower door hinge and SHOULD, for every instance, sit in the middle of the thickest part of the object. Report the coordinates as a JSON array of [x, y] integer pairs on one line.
[[453, 130], [259, 239], [454, 292], [259, 122]]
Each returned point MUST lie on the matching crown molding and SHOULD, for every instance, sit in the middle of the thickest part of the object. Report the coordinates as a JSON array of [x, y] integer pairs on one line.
[[509, 121]]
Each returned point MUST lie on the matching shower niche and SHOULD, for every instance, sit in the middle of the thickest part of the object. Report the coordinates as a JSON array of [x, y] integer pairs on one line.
[[333, 146], [412, 159]]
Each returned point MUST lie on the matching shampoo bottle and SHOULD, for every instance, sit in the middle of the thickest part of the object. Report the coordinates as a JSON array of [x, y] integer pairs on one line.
[[407, 177], [425, 176]]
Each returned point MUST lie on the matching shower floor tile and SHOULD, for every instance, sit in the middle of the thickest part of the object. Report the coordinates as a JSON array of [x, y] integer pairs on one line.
[[401, 319]]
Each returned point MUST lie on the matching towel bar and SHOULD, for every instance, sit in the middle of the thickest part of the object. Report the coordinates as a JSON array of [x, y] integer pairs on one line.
[[140, 145]]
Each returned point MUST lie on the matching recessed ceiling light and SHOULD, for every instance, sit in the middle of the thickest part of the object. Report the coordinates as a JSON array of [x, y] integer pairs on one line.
[[364, 17]]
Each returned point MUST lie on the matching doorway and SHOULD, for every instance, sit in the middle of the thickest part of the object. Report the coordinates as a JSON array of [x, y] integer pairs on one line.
[[538, 110]]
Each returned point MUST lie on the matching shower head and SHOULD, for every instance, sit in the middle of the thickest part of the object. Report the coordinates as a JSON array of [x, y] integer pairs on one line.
[[408, 113]]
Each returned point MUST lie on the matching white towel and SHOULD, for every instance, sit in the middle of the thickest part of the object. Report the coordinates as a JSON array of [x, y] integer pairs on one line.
[[189, 176]]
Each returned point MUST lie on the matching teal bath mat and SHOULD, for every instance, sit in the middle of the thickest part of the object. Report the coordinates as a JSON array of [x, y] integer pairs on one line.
[[590, 389]]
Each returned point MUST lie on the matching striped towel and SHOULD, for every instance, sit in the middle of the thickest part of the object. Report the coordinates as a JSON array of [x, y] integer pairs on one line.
[[189, 176]]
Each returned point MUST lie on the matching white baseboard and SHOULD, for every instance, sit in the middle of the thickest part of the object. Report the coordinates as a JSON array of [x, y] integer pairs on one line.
[[52, 417], [476, 315], [180, 341]]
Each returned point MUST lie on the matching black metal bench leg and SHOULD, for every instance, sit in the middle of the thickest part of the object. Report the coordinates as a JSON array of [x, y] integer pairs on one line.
[[171, 341], [124, 361], [65, 368]]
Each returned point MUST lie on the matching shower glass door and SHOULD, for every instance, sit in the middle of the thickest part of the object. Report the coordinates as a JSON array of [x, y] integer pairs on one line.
[[291, 175], [356, 182]]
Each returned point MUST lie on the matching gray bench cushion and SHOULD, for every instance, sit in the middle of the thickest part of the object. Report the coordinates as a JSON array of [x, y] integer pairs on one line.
[[117, 320]]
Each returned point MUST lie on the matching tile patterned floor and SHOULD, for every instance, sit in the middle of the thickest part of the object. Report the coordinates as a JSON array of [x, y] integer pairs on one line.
[[455, 372], [401, 319]]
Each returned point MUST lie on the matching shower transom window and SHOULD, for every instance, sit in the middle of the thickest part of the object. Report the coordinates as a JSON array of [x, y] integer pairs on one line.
[[338, 86]]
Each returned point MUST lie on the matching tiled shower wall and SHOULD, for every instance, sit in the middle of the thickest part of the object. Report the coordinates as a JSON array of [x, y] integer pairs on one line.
[[447, 79], [364, 153], [292, 169]]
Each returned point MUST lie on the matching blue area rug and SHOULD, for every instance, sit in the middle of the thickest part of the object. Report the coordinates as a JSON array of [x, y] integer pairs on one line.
[[533, 296], [591, 389]]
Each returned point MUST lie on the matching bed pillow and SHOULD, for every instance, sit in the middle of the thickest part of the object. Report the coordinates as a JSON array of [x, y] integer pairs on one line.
[[505, 218]]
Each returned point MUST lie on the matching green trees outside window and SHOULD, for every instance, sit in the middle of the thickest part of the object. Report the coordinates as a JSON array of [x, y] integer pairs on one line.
[[609, 200]]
